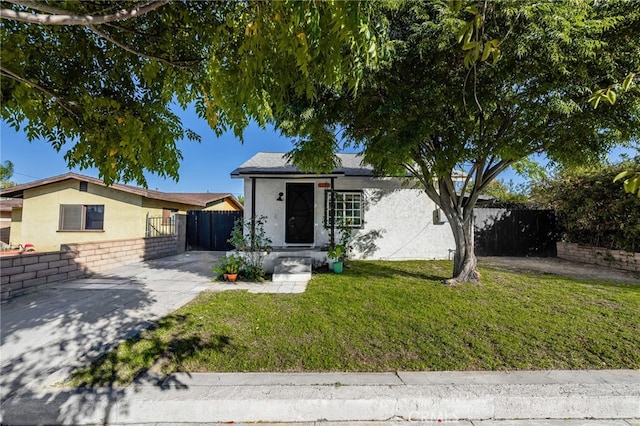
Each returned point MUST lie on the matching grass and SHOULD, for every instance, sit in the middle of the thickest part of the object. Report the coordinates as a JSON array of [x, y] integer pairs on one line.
[[390, 316]]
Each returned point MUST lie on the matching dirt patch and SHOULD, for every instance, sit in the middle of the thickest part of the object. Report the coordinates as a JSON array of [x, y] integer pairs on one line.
[[565, 268]]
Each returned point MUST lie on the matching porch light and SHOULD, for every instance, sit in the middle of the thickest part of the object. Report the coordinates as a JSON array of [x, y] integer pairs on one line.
[[280, 196]]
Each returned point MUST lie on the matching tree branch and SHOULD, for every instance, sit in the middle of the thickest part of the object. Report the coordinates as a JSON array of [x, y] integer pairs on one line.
[[39, 6], [68, 19], [491, 173], [56, 98], [425, 177], [466, 182], [180, 64], [445, 185]]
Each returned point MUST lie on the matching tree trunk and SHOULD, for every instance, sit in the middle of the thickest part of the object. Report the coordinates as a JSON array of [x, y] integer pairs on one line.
[[465, 261]]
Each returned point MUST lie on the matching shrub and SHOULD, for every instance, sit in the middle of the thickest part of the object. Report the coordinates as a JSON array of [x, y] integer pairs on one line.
[[594, 210], [250, 240], [228, 265], [337, 252], [340, 251]]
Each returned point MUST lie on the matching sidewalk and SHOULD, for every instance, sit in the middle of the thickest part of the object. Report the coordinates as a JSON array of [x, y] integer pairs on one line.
[[47, 334]]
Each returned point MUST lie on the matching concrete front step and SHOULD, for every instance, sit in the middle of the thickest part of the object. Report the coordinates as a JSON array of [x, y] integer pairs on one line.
[[289, 269]]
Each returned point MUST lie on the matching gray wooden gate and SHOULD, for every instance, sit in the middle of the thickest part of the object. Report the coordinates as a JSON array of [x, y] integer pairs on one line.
[[515, 232], [210, 230]]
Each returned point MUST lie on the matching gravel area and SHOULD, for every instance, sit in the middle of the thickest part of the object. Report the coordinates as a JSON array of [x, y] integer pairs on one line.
[[555, 266]]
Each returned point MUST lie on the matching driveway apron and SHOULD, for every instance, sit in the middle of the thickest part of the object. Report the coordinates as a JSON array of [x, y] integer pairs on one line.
[[45, 335]]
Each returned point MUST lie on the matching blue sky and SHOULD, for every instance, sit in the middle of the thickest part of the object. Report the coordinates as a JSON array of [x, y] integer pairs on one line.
[[206, 166]]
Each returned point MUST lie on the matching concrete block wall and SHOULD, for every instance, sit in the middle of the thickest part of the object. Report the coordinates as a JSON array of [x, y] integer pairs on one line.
[[24, 273], [617, 259], [27, 272], [96, 257]]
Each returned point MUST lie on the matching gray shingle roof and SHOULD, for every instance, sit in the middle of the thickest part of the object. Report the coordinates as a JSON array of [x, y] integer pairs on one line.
[[276, 163]]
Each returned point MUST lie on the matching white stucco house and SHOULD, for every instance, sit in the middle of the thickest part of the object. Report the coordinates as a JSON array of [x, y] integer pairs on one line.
[[389, 220]]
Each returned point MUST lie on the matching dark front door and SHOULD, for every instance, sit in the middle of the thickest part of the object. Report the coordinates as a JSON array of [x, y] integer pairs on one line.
[[299, 214]]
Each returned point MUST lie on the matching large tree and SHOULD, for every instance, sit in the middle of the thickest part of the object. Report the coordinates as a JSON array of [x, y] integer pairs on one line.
[[104, 78], [479, 86]]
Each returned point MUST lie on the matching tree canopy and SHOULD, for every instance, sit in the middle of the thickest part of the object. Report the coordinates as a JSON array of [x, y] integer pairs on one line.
[[104, 78], [6, 173], [433, 109], [592, 208]]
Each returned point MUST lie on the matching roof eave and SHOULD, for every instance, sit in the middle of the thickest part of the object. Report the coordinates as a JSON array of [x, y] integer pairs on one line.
[[285, 175]]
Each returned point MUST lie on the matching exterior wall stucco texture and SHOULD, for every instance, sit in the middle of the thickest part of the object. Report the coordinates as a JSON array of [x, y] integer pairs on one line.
[[41, 215], [398, 222], [124, 214]]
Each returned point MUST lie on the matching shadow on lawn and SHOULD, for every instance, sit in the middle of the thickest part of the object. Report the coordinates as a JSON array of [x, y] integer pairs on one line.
[[132, 360], [398, 270]]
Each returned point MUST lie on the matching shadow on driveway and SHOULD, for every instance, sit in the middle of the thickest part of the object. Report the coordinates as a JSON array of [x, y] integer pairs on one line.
[[47, 334]]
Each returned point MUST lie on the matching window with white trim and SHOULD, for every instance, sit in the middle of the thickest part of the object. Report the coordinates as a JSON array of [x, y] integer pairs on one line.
[[348, 208], [80, 217]]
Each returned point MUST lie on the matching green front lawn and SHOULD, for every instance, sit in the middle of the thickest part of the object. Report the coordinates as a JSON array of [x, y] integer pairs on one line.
[[389, 316]]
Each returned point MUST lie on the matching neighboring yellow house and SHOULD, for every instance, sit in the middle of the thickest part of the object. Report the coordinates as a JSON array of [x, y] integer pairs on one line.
[[73, 208]]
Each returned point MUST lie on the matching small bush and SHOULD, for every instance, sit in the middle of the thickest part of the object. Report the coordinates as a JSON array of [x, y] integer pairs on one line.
[[228, 265], [594, 210], [250, 240]]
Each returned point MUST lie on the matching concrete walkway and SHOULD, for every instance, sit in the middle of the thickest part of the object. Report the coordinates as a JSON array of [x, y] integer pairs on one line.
[[47, 334]]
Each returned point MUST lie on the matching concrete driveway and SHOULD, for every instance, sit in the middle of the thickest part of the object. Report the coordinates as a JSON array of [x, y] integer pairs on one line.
[[47, 334], [561, 267]]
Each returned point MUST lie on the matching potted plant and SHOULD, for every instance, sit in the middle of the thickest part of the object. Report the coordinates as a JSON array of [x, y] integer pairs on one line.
[[233, 267], [228, 267], [337, 253]]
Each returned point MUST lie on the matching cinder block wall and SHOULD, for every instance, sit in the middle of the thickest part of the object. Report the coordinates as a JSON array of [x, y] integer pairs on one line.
[[617, 259], [27, 272]]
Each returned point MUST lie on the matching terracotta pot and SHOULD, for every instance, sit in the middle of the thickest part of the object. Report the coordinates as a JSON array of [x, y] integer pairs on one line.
[[231, 277]]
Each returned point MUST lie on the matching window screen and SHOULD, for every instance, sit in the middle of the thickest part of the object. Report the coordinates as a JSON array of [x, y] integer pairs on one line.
[[79, 217]]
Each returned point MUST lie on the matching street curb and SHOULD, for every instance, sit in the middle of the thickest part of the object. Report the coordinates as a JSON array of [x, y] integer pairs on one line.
[[403, 396]]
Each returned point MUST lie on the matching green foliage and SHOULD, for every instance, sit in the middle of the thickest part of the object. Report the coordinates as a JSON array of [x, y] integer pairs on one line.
[[337, 252], [340, 251], [106, 94], [593, 209], [470, 35], [631, 183], [609, 93], [228, 265], [6, 172], [505, 193], [251, 241]]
